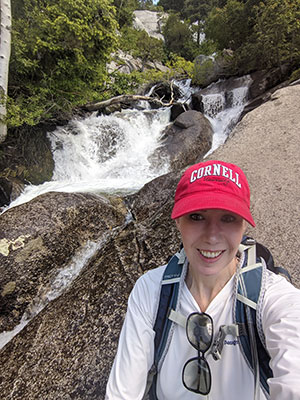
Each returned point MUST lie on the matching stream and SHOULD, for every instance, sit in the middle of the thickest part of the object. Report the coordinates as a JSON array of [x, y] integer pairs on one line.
[[109, 154]]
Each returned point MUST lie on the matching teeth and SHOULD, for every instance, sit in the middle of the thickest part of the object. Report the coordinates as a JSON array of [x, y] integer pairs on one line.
[[210, 254]]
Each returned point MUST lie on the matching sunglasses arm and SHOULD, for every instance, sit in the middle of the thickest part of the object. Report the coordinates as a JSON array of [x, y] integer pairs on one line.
[[234, 329], [218, 344]]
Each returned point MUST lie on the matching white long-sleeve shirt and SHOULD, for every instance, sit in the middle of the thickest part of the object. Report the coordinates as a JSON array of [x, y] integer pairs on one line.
[[231, 377]]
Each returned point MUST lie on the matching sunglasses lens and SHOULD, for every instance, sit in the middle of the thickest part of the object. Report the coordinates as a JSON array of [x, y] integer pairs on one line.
[[196, 376], [199, 330]]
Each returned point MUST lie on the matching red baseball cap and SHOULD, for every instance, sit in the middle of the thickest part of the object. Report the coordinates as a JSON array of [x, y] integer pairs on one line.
[[213, 185]]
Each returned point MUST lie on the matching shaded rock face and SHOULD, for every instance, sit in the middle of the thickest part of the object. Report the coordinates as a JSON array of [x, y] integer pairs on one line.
[[38, 239], [24, 158], [66, 351], [188, 139]]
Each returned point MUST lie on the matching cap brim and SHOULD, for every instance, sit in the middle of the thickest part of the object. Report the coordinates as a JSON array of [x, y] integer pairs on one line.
[[189, 204]]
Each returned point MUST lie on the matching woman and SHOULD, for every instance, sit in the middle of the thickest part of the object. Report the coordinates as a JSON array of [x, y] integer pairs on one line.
[[211, 211]]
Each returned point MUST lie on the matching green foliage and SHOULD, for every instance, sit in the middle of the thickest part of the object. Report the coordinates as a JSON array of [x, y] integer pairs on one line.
[[145, 5], [295, 76], [179, 38], [141, 45], [124, 11], [59, 51], [180, 67], [278, 31], [202, 71], [149, 48], [171, 5], [228, 27], [207, 47], [263, 34]]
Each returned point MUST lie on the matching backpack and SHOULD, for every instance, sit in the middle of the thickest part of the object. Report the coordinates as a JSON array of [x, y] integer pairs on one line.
[[247, 325]]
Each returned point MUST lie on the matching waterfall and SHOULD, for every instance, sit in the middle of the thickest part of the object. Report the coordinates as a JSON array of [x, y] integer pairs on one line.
[[109, 154], [104, 154]]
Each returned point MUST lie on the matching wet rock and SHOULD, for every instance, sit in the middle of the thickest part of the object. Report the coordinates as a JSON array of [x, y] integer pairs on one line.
[[185, 141], [177, 109], [67, 350], [10, 189], [26, 157], [39, 238]]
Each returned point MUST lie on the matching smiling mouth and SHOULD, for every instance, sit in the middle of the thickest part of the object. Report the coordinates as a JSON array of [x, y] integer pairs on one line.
[[210, 254]]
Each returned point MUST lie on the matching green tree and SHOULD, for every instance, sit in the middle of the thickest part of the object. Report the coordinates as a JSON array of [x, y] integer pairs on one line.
[[141, 45], [149, 48], [145, 4], [124, 11], [263, 34], [171, 5], [196, 11], [59, 51], [278, 32], [228, 26], [179, 38]]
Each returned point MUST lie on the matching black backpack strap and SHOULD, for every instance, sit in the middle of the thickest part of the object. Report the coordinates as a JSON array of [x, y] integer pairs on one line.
[[170, 287]]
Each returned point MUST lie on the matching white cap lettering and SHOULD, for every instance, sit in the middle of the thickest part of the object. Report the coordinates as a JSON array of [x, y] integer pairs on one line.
[[215, 170]]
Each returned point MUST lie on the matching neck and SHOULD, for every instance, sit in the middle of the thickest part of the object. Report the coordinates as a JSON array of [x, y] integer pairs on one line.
[[205, 288]]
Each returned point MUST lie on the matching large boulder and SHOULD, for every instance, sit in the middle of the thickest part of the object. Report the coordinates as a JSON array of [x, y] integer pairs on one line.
[[26, 157], [39, 239], [223, 93], [185, 141], [125, 63], [67, 350], [209, 69]]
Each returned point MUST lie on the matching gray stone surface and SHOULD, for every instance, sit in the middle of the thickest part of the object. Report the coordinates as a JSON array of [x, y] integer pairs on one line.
[[150, 21]]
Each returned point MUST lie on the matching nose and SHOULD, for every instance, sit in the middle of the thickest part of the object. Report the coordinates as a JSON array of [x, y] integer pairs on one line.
[[212, 232]]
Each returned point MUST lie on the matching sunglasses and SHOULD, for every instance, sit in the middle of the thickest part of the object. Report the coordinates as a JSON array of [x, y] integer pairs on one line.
[[196, 375]]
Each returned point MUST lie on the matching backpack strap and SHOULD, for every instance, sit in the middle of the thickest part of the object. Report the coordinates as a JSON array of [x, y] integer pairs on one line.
[[249, 293], [171, 285], [250, 289]]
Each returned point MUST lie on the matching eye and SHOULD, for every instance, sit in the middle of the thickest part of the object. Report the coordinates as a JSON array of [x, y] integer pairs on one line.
[[196, 217], [229, 218]]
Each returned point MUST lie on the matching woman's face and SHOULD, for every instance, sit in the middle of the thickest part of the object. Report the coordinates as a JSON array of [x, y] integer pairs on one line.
[[211, 239]]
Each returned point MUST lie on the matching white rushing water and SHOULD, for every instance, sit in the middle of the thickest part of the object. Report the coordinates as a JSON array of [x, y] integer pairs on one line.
[[56, 287], [110, 153], [224, 113], [104, 154]]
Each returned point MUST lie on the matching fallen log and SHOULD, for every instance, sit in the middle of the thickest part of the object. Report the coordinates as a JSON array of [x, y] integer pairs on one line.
[[124, 99], [129, 98]]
